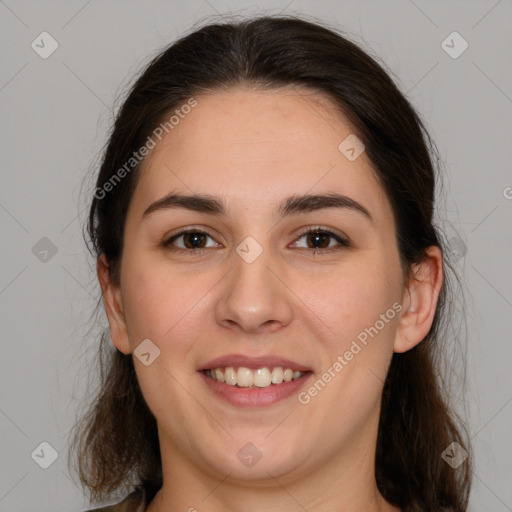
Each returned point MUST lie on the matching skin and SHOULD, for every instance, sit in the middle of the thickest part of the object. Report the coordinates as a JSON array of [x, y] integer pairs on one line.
[[255, 148]]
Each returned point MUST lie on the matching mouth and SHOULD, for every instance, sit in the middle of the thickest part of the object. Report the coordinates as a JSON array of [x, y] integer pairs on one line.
[[264, 377], [253, 381]]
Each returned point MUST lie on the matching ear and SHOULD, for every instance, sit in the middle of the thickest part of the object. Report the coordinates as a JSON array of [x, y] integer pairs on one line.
[[113, 306], [419, 301]]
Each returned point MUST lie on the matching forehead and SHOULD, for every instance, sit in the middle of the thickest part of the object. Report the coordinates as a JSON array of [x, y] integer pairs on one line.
[[255, 147]]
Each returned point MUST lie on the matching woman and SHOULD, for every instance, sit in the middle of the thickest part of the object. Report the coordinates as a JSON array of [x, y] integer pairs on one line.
[[274, 286]]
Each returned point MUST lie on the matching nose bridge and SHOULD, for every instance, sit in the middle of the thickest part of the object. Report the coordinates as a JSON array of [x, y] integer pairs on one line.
[[253, 262], [253, 295]]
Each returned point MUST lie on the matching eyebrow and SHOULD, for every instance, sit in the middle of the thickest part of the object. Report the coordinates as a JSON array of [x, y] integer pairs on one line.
[[293, 205]]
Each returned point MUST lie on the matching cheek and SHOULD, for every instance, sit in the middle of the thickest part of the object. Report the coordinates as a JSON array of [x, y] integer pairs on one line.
[[360, 306], [364, 317], [351, 299], [160, 305]]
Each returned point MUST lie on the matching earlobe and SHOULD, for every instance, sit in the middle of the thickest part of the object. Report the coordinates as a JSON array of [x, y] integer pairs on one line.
[[113, 306], [420, 300]]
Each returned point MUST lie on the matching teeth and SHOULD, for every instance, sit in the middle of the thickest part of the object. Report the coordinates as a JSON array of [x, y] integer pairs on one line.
[[262, 378], [277, 375], [230, 376], [247, 378], [244, 377]]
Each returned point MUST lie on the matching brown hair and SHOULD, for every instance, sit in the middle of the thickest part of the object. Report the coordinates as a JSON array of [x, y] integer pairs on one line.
[[116, 440]]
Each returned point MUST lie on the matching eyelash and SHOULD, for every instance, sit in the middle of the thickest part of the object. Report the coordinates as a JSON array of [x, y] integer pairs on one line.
[[344, 243]]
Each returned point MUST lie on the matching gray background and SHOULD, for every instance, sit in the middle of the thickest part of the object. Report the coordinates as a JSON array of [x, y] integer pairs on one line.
[[55, 116]]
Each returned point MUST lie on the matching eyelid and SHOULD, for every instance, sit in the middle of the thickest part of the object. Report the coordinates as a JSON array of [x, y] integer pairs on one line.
[[183, 231], [342, 239]]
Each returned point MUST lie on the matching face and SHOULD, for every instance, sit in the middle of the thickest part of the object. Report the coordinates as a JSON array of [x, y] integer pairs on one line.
[[249, 286]]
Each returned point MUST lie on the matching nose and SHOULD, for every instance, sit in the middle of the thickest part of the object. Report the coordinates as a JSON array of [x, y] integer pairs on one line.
[[256, 298]]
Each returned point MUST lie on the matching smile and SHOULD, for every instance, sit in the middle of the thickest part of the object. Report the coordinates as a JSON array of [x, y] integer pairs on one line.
[[254, 388], [247, 378]]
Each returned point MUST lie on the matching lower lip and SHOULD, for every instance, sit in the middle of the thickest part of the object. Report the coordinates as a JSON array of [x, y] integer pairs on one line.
[[255, 397]]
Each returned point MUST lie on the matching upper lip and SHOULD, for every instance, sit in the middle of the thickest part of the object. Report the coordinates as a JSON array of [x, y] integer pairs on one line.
[[253, 363]]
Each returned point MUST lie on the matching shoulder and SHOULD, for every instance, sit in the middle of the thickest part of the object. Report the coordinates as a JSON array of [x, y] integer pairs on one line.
[[136, 501]]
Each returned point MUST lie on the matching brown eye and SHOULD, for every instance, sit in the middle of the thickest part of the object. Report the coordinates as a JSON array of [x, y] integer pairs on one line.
[[318, 238], [192, 240]]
